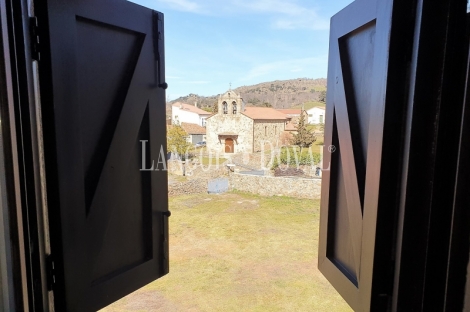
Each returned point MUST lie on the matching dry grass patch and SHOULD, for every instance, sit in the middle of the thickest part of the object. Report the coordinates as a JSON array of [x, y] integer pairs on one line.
[[240, 252]]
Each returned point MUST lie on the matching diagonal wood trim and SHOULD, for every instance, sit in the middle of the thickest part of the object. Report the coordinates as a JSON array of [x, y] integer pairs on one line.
[[349, 291], [94, 167], [348, 164], [126, 133]]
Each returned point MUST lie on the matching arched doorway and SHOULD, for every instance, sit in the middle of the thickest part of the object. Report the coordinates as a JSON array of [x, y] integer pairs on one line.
[[229, 145]]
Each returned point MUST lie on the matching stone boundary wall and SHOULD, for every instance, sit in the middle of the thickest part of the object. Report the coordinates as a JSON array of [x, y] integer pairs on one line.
[[189, 187], [275, 186]]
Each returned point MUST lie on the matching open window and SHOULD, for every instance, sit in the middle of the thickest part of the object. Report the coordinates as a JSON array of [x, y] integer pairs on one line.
[[225, 108], [394, 68]]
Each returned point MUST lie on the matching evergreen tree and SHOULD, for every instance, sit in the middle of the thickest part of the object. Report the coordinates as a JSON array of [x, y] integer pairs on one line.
[[304, 137], [322, 96]]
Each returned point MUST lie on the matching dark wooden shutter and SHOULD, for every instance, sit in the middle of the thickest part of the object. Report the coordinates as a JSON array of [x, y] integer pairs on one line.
[[102, 91], [364, 120]]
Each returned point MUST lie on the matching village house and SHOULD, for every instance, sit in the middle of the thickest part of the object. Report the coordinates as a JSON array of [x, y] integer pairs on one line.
[[195, 132], [239, 129], [181, 112], [316, 115], [293, 116]]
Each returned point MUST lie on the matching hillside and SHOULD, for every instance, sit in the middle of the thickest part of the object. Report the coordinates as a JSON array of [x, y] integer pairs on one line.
[[278, 94], [284, 93]]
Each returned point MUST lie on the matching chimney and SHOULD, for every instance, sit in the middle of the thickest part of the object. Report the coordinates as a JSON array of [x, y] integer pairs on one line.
[[195, 104], [181, 105]]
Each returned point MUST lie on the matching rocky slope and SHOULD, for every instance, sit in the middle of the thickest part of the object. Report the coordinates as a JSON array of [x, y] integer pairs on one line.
[[277, 94]]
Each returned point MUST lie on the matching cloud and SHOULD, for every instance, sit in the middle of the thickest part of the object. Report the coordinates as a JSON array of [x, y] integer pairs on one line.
[[293, 65], [286, 14], [283, 14], [271, 6], [301, 22], [315, 24]]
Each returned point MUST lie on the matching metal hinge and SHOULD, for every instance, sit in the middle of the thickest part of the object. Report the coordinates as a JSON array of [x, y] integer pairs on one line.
[[50, 268], [34, 35], [158, 48]]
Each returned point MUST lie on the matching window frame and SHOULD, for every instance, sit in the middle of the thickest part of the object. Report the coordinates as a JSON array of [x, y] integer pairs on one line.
[[20, 287]]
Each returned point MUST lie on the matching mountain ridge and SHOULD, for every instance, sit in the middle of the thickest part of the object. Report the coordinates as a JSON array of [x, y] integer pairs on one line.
[[276, 94]]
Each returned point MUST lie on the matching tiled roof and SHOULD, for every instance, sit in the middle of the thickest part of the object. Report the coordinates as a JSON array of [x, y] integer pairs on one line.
[[291, 127], [191, 128], [263, 113], [191, 108], [290, 111]]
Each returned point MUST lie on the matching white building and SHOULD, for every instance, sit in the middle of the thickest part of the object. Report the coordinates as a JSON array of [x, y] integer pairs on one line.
[[181, 112], [316, 115]]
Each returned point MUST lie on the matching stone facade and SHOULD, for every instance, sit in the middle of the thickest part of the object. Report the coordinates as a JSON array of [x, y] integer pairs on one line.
[[267, 133], [239, 129], [276, 186]]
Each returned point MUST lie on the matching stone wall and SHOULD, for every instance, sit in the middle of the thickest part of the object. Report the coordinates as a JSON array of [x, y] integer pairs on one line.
[[267, 131], [195, 186], [238, 124], [272, 186]]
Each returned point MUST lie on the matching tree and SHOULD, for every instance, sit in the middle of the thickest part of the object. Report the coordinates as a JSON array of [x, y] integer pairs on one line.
[[304, 136], [322, 97], [215, 107], [176, 141], [286, 138]]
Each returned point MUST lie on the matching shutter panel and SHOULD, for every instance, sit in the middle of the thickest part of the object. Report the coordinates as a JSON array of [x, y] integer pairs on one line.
[[358, 75], [102, 90]]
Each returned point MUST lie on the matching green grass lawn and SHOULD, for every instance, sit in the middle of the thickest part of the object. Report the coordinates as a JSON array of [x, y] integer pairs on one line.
[[240, 252], [177, 178], [211, 161]]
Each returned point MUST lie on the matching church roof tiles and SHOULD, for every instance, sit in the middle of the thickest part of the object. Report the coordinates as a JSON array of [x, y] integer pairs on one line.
[[263, 113]]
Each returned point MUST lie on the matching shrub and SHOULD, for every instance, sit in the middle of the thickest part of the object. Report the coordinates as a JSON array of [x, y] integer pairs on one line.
[[291, 156]]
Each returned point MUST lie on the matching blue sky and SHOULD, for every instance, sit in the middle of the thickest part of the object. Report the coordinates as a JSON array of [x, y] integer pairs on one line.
[[211, 43]]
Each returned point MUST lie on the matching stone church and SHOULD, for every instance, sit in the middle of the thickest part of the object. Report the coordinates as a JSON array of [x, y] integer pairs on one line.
[[239, 129]]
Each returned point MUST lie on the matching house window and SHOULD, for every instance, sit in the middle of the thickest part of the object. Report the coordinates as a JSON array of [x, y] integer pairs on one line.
[[310, 115], [321, 118], [225, 108], [265, 130], [234, 106]]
